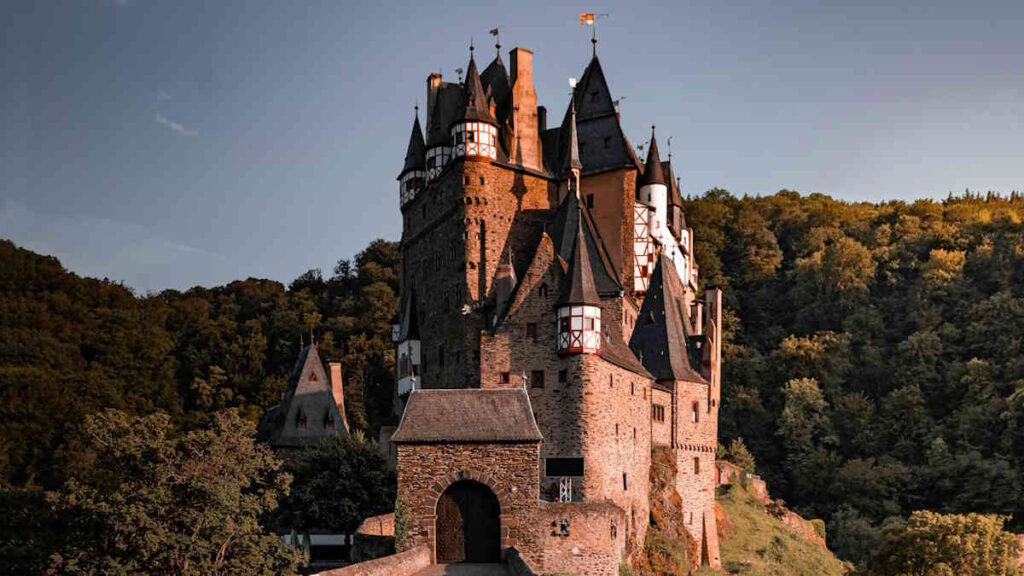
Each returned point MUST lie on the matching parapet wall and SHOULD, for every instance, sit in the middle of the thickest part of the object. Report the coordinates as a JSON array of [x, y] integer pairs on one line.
[[401, 564]]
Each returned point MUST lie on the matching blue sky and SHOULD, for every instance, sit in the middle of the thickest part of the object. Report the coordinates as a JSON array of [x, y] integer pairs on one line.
[[168, 144]]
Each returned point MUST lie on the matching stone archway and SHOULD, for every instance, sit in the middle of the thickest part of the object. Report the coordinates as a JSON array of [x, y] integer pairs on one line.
[[468, 525]]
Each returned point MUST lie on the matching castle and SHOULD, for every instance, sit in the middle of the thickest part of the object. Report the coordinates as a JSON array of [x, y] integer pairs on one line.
[[550, 331]]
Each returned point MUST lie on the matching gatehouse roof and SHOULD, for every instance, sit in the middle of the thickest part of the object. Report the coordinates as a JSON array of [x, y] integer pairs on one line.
[[467, 415]]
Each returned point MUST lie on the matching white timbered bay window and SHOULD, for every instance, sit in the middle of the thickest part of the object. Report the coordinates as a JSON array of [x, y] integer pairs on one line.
[[475, 139], [579, 329]]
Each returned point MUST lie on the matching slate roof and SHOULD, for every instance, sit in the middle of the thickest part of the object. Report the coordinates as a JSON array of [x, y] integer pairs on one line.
[[416, 152], [653, 170], [662, 336], [614, 350], [578, 286], [572, 157], [468, 415], [603, 144], [474, 104], [675, 197], [308, 395], [562, 229], [446, 104], [410, 322], [495, 80]]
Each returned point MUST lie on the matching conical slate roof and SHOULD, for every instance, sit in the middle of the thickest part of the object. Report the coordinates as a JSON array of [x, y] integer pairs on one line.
[[578, 287], [572, 157], [475, 106], [653, 172], [416, 152]]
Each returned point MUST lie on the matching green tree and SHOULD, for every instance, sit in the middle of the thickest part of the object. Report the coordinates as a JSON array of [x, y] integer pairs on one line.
[[157, 503], [338, 484], [947, 544]]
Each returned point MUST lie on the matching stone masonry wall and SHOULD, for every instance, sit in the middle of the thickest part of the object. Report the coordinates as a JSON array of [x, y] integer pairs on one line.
[[402, 564], [696, 445], [661, 431], [595, 542], [455, 232], [425, 471]]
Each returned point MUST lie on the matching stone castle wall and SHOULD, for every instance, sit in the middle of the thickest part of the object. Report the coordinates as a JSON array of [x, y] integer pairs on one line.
[[592, 542], [695, 447], [425, 471]]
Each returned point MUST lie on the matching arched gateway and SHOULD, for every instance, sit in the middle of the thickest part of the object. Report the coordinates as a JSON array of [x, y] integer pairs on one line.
[[468, 525], [468, 473]]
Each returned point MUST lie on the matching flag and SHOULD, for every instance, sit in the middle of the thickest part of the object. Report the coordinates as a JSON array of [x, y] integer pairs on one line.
[[494, 32], [586, 18]]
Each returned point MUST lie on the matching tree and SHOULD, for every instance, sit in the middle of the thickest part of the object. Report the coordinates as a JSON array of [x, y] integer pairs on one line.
[[160, 504], [740, 456], [947, 544], [338, 484]]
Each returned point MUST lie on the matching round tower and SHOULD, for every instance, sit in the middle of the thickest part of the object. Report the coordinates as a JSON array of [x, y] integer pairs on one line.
[[579, 307], [653, 190], [413, 176], [474, 132]]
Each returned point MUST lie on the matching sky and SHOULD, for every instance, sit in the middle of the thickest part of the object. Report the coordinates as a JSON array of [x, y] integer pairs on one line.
[[168, 144]]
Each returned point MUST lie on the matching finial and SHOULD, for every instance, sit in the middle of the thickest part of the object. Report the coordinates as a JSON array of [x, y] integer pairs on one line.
[[670, 150], [593, 40], [652, 131], [471, 48]]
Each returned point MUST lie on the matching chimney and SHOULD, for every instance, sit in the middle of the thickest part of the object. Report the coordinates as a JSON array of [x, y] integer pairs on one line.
[[698, 317], [524, 106], [338, 391], [433, 85], [542, 119]]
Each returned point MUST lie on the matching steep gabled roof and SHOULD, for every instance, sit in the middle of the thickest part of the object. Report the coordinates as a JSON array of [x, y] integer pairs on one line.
[[653, 171], [661, 338], [474, 104], [578, 286], [468, 415], [602, 143], [308, 395], [416, 152], [495, 80], [562, 230], [675, 197]]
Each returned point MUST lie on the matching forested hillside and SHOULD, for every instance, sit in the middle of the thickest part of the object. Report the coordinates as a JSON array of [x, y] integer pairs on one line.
[[70, 346], [874, 358], [874, 361]]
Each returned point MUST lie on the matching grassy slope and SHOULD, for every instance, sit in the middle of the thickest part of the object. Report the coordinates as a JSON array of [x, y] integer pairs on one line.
[[762, 545]]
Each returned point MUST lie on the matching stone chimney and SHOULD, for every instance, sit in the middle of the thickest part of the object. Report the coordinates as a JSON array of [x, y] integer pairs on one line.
[[338, 391], [524, 107], [433, 85], [697, 317]]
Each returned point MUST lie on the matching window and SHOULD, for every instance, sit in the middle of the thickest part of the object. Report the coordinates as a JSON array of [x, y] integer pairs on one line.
[[531, 331], [607, 142], [544, 290], [634, 433], [563, 376], [594, 96], [625, 485], [611, 381], [658, 413], [312, 376], [440, 356], [563, 467], [616, 429], [632, 388], [696, 465], [590, 201], [537, 379], [470, 137], [695, 412], [481, 180], [503, 378], [465, 180]]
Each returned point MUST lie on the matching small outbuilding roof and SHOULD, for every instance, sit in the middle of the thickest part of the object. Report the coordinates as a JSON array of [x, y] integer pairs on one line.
[[468, 415]]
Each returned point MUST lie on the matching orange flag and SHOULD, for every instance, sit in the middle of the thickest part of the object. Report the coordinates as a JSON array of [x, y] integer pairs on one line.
[[586, 18]]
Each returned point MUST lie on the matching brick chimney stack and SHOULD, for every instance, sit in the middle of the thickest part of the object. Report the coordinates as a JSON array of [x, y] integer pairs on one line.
[[524, 105], [338, 391]]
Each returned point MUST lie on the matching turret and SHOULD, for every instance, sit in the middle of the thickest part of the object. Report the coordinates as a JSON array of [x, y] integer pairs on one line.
[[439, 147], [653, 190], [413, 175], [579, 308], [474, 130], [407, 360]]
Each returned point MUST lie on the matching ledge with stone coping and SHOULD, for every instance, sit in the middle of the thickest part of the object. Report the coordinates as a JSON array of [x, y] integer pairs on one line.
[[401, 564]]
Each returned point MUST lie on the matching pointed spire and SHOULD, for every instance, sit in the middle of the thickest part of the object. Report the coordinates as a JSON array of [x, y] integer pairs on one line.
[[475, 105], [653, 172], [572, 158], [416, 152], [579, 286]]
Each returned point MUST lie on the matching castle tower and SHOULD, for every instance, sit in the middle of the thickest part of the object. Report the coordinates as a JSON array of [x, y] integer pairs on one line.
[[413, 176], [652, 189], [474, 131], [579, 307]]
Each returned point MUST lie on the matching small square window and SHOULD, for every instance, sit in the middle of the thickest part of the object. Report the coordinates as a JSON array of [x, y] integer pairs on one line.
[[531, 331], [537, 379], [563, 376], [504, 378], [481, 180], [465, 180]]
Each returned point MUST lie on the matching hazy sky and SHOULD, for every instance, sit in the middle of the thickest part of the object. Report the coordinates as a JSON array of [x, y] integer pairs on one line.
[[173, 143]]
